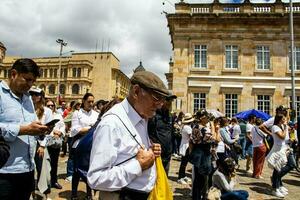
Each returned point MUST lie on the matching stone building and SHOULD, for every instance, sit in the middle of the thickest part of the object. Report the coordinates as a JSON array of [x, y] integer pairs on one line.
[[233, 56], [98, 73]]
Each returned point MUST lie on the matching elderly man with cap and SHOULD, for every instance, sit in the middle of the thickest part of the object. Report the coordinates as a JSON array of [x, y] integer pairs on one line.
[[18, 124], [122, 157], [160, 129]]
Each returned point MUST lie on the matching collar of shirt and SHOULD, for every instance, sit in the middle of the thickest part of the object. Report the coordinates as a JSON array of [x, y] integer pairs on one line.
[[138, 122], [86, 112], [134, 117]]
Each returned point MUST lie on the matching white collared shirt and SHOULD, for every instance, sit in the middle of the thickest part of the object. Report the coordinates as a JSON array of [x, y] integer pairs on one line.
[[82, 119], [112, 144]]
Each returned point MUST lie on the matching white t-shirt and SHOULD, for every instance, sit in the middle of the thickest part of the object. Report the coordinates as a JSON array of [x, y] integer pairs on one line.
[[269, 123], [249, 127], [277, 140], [236, 131], [186, 132], [257, 140]]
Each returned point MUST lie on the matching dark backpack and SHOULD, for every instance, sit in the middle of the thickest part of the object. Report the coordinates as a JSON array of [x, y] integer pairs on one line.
[[84, 147], [83, 151]]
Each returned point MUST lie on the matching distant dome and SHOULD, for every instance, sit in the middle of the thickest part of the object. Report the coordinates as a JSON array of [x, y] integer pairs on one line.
[[2, 51], [2, 46], [139, 68]]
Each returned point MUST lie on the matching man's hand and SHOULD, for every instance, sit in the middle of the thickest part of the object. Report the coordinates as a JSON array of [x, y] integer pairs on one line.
[[40, 151], [35, 128], [146, 158], [156, 148]]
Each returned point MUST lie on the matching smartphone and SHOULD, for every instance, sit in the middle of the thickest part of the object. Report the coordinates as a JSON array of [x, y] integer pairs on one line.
[[52, 123]]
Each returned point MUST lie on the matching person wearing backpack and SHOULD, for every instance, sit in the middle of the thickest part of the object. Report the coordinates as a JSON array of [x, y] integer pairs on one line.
[[82, 121], [122, 157]]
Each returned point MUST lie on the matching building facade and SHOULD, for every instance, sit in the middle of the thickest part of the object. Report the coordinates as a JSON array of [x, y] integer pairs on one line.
[[98, 73], [233, 57]]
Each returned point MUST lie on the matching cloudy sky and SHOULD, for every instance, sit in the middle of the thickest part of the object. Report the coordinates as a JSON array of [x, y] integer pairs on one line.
[[133, 30]]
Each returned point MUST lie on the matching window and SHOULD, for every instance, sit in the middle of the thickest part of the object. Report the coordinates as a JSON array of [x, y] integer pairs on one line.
[[51, 73], [45, 73], [64, 72], [76, 72], [200, 58], [41, 73], [231, 104], [51, 89], [297, 105], [79, 72], [75, 89], [297, 58], [231, 56], [5, 73], [263, 103], [263, 57], [62, 89], [199, 101], [55, 73]]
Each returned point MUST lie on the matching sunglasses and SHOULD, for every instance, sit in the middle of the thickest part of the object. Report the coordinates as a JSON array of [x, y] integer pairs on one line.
[[50, 105]]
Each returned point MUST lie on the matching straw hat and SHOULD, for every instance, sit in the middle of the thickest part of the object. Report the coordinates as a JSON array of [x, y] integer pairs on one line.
[[188, 118]]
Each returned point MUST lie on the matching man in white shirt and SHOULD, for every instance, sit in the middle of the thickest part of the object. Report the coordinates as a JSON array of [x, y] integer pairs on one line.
[[122, 157]]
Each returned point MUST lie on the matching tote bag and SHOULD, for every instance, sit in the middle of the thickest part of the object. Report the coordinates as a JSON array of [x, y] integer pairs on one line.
[[161, 190]]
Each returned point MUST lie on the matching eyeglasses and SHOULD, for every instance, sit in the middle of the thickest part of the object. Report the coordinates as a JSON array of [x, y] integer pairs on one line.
[[50, 105], [157, 97]]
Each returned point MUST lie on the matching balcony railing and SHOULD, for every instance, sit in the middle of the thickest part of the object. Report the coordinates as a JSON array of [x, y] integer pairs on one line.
[[200, 10], [295, 9], [231, 9], [265, 9], [242, 8]]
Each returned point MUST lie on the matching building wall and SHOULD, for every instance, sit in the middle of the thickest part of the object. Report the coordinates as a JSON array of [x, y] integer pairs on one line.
[[96, 75], [211, 25]]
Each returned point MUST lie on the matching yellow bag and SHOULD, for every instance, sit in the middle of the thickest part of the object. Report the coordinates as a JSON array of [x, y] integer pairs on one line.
[[161, 190]]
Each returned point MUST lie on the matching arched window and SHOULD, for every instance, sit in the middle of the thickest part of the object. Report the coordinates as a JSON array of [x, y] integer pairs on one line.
[[75, 89], [43, 87], [62, 89], [51, 89]]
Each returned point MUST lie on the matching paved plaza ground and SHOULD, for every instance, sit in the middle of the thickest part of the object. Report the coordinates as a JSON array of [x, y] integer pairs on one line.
[[258, 189]]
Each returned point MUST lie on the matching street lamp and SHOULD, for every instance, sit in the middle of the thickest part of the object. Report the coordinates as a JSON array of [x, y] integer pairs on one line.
[[292, 60], [62, 44]]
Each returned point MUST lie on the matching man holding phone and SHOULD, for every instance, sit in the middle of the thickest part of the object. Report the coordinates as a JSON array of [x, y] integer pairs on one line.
[[18, 124]]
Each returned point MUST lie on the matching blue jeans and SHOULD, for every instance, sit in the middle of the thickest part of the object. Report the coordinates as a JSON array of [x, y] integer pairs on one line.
[[242, 142], [70, 163], [235, 195]]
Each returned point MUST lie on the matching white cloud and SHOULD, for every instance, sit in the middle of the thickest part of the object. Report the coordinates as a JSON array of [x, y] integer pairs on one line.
[[134, 29]]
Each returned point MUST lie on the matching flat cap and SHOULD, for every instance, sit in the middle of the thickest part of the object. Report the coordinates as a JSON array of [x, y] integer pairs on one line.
[[151, 81]]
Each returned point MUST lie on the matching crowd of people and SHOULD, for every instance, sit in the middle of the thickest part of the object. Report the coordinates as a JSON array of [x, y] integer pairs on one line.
[[127, 136]]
